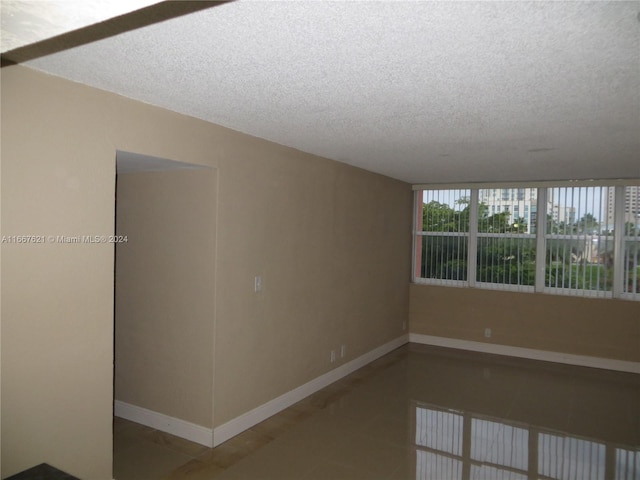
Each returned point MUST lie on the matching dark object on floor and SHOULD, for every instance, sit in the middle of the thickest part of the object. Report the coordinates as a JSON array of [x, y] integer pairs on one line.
[[42, 472]]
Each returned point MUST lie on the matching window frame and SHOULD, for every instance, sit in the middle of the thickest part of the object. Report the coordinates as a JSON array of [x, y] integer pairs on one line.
[[540, 206], [513, 196], [417, 249]]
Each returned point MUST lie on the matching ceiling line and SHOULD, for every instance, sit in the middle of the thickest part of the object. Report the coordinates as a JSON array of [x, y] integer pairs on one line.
[[143, 17]]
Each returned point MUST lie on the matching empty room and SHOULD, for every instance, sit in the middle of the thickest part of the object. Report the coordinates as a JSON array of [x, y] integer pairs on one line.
[[320, 240]]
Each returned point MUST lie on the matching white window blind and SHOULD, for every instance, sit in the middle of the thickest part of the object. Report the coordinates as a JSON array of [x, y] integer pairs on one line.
[[506, 248], [631, 261], [571, 238], [442, 235], [579, 241]]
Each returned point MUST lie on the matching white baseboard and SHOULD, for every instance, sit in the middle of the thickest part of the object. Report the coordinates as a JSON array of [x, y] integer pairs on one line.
[[211, 438], [164, 423], [566, 358], [247, 420], [214, 437]]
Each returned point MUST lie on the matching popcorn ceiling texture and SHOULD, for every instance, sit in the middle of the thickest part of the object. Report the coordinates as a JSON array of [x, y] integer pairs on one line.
[[419, 91]]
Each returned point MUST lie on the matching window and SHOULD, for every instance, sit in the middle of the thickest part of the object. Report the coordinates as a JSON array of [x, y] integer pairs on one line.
[[534, 217], [506, 253], [442, 239], [588, 243], [631, 263], [579, 247]]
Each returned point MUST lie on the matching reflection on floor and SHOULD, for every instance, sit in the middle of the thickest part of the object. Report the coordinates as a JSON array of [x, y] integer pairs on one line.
[[422, 413]]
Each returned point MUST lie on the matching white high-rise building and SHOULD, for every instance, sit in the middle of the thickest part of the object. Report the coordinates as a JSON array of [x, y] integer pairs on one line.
[[518, 202], [631, 205], [522, 203]]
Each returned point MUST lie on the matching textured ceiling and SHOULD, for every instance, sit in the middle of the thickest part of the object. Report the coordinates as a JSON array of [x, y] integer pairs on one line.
[[426, 92]]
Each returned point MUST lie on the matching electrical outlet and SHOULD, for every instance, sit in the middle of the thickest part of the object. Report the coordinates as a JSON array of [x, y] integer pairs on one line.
[[487, 333], [333, 356], [343, 351], [257, 284]]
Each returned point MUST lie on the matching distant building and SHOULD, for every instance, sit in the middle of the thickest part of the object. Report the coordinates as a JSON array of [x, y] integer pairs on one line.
[[523, 203], [631, 205]]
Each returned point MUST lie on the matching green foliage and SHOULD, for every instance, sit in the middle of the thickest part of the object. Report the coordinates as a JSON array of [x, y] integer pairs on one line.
[[579, 254], [440, 217], [444, 258], [631, 229], [508, 260], [579, 276], [499, 260], [588, 224]]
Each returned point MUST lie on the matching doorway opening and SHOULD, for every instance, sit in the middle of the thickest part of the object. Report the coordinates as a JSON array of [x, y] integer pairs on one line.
[[164, 303]]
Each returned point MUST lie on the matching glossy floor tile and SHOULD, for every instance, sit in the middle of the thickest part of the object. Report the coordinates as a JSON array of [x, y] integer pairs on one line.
[[422, 413]]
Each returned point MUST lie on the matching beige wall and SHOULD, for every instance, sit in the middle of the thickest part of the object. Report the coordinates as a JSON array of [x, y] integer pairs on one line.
[[601, 328], [164, 294], [57, 312], [331, 242]]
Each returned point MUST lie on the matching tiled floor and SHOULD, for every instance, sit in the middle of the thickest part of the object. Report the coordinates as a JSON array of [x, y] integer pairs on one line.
[[421, 413]]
